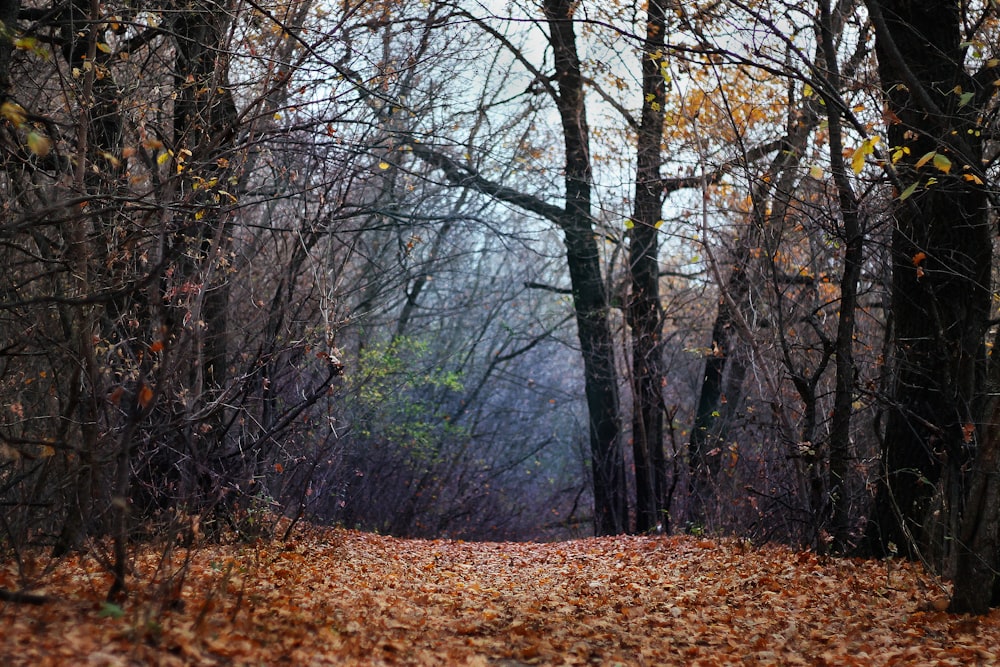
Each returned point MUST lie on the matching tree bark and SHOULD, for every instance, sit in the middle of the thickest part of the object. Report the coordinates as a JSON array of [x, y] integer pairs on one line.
[[99, 133], [205, 118], [643, 309], [941, 245], [204, 121], [979, 540], [8, 20], [836, 513], [589, 295]]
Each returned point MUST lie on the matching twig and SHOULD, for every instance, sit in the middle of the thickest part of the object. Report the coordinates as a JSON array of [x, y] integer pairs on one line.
[[20, 597]]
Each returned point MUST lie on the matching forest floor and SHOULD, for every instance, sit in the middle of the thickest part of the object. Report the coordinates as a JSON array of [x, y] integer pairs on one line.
[[341, 597]]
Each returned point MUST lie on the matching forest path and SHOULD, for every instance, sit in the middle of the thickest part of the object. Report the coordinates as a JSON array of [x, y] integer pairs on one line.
[[343, 597]]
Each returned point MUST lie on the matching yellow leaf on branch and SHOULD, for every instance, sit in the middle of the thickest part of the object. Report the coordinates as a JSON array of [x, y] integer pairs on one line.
[[866, 148], [39, 144], [942, 162]]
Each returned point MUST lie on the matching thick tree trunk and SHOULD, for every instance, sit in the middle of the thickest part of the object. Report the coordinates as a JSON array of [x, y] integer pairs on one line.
[[979, 540], [643, 310], [941, 246], [204, 120], [589, 295]]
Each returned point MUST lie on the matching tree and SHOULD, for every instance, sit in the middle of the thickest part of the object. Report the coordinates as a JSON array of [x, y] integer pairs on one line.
[[126, 152], [643, 309], [941, 263], [776, 303], [447, 420], [833, 504], [590, 299]]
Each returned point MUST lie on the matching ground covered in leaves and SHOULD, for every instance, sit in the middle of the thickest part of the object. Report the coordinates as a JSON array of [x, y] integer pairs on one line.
[[342, 597]]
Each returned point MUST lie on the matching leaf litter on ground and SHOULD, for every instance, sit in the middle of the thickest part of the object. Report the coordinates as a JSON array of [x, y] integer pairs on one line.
[[338, 597]]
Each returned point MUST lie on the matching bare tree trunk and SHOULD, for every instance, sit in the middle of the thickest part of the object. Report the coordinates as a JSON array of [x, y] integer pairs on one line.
[[589, 297], [941, 263], [204, 123], [836, 511], [721, 394], [979, 540], [643, 308], [98, 133]]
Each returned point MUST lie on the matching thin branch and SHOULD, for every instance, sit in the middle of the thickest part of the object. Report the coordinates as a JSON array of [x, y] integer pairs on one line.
[[674, 183], [547, 288]]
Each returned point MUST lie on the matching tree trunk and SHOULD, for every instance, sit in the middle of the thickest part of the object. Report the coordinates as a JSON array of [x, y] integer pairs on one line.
[[204, 118], [204, 122], [8, 19], [979, 541], [718, 396], [589, 296], [941, 245], [590, 300], [643, 309], [90, 251], [836, 512]]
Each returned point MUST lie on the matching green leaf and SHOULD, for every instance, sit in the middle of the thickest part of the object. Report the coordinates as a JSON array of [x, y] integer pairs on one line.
[[111, 610], [908, 191], [629, 224], [26, 43]]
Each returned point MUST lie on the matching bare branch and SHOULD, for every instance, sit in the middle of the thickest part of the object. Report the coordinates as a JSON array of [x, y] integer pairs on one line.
[[675, 183], [458, 174]]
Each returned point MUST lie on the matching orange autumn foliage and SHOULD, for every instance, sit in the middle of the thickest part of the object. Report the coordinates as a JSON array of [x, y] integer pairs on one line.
[[341, 597]]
